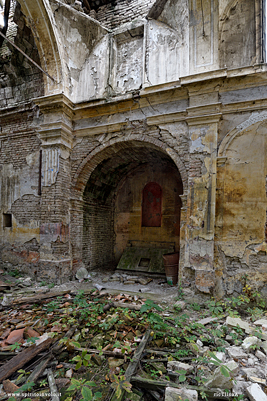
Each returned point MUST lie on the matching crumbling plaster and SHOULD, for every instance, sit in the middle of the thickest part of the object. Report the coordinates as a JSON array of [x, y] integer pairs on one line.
[[151, 85]]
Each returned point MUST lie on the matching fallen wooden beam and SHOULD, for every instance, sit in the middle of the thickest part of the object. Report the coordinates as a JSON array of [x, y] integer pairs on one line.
[[22, 358], [39, 369], [140, 382], [133, 364], [52, 385], [38, 297], [107, 353], [129, 306]]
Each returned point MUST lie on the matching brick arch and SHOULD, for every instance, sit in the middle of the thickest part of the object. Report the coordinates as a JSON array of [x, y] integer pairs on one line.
[[92, 160], [41, 21]]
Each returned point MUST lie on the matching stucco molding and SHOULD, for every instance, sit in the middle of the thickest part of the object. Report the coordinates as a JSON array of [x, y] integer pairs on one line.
[[255, 118], [204, 119]]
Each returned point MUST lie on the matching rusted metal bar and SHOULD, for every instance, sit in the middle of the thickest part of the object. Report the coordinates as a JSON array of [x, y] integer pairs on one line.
[[25, 55], [40, 173]]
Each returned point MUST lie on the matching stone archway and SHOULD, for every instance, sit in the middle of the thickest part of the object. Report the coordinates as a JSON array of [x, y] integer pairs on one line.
[[97, 234]]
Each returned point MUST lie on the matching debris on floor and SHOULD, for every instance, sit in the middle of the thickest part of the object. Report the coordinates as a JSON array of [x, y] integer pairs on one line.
[[90, 343]]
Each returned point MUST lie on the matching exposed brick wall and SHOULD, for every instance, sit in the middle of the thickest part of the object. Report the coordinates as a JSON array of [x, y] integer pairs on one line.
[[20, 80], [26, 209], [55, 198], [98, 235], [15, 149], [121, 11]]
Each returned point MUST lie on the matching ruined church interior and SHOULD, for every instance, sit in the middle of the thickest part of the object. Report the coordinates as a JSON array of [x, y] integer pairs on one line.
[[130, 129]]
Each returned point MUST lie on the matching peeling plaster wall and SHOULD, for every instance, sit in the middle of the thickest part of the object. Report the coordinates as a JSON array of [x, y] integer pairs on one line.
[[138, 94], [19, 166], [86, 52], [128, 208], [241, 209], [237, 46], [128, 60], [163, 54]]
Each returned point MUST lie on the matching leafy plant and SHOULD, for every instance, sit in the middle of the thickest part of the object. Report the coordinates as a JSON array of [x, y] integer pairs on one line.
[[225, 371], [51, 306], [125, 348], [82, 359], [215, 307], [83, 386], [51, 285], [195, 306], [15, 273], [120, 383], [22, 373], [181, 353], [15, 346], [182, 375], [32, 340], [43, 383], [26, 387], [180, 293], [148, 305]]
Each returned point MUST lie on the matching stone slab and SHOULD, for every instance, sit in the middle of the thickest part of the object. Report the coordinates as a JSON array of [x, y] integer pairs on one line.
[[143, 259], [180, 394], [236, 352], [255, 393]]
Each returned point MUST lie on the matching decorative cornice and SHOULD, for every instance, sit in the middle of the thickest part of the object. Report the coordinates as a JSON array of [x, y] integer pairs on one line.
[[101, 129], [56, 128], [167, 118], [56, 134], [204, 119], [54, 104], [205, 109]]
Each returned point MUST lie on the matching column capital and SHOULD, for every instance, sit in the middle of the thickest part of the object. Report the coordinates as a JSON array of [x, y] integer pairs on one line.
[[56, 124]]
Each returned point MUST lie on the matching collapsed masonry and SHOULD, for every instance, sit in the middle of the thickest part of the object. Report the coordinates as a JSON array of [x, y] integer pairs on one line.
[[163, 93]]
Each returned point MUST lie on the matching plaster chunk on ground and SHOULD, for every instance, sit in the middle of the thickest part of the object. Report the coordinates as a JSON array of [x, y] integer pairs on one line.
[[236, 352], [260, 355], [180, 305], [260, 322], [264, 346], [180, 394], [175, 365], [240, 386], [220, 355], [255, 393], [219, 380], [237, 322], [82, 273], [249, 341], [253, 372]]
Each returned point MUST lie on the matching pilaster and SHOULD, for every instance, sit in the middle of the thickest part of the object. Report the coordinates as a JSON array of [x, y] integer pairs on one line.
[[55, 132]]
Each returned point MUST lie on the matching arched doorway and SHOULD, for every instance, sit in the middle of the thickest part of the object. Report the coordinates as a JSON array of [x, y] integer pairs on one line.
[[112, 203]]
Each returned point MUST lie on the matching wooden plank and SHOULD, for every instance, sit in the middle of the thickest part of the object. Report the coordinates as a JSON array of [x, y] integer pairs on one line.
[[22, 358], [39, 369], [140, 382], [52, 385], [39, 297], [125, 305], [133, 364]]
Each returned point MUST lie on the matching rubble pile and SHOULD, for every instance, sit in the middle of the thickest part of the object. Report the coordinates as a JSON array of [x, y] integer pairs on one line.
[[77, 344]]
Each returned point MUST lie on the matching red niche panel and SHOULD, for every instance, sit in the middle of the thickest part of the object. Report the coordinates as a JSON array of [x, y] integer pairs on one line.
[[151, 205]]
